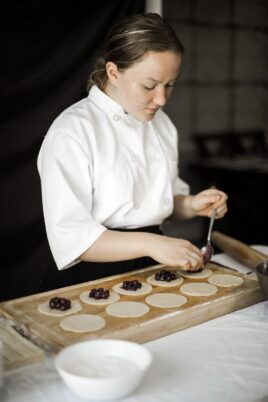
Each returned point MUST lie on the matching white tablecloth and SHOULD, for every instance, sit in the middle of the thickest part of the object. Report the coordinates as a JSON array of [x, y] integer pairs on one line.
[[222, 360]]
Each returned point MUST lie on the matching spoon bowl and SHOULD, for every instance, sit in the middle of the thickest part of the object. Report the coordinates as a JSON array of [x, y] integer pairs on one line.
[[208, 250]]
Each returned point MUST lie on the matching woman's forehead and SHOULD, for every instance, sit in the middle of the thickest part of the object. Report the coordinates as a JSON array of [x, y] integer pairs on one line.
[[157, 64]]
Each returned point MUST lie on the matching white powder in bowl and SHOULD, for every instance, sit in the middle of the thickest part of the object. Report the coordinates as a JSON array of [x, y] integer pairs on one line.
[[101, 367]]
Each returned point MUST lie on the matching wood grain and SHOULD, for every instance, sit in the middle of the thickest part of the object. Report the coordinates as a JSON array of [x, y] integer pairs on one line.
[[157, 323], [238, 250], [18, 351]]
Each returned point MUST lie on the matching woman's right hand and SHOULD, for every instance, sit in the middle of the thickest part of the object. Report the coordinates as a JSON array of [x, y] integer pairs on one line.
[[175, 252]]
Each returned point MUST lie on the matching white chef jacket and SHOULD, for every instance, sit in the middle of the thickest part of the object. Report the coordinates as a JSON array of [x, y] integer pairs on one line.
[[101, 168]]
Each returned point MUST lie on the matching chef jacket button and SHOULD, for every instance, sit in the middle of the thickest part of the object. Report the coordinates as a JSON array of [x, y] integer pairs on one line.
[[157, 157], [166, 201], [136, 205], [134, 158], [116, 117]]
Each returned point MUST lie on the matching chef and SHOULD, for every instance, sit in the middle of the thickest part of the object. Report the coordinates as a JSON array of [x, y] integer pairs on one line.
[[109, 164]]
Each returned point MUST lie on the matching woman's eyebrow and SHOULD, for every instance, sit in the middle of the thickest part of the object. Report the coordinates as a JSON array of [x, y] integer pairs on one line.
[[152, 79], [159, 82]]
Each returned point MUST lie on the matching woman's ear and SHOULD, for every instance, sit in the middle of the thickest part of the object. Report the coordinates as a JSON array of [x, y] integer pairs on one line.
[[112, 72]]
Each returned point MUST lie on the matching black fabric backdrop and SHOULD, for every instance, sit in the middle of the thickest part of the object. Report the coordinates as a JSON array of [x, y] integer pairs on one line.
[[47, 52]]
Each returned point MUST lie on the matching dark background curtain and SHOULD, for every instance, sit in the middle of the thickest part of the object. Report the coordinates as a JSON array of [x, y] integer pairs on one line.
[[47, 52]]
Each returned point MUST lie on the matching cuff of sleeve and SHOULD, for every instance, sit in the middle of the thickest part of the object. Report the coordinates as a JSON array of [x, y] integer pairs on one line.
[[67, 261], [181, 187]]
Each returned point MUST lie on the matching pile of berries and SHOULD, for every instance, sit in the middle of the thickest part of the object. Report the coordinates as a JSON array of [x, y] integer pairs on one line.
[[60, 303], [131, 285], [99, 293], [166, 276]]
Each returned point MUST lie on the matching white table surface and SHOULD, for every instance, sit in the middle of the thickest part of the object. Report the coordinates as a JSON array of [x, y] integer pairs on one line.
[[224, 359]]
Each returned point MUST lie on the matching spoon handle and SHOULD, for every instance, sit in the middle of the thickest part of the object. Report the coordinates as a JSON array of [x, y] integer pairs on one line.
[[211, 223]]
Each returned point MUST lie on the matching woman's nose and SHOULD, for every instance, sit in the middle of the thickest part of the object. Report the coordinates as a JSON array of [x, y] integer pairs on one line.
[[160, 98]]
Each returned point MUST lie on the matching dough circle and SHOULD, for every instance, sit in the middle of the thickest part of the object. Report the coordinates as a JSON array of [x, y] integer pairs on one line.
[[195, 275], [113, 297], [127, 309], [45, 309], [225, 280], [144, 290], [151, 279], [166, 300], [83, 323], [198, 289]]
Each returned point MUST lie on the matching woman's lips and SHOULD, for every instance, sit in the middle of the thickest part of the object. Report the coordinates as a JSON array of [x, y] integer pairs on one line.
[[152, 110]]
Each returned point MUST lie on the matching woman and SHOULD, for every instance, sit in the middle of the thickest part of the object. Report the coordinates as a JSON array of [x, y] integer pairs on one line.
[[108, 164]]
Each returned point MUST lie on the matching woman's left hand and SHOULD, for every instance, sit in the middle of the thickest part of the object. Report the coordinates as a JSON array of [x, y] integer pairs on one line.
[[204, 202]]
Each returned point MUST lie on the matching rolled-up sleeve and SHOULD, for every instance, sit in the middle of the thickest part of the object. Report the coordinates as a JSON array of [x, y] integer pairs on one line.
[[180, 187], [66, 169]]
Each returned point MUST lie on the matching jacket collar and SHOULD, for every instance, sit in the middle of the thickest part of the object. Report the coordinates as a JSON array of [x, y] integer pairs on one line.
[[105, 102]]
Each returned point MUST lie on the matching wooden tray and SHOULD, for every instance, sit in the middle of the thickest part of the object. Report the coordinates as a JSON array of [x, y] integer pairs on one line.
[[155, 324]]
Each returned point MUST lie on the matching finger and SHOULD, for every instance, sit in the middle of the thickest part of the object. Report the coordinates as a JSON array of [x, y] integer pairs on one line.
[[195, 252], [205, 204], [221, 201], [192, 268], [206, 211], [221, 212], [220, 194], [189, 256], [220, 206], [213, 192], [188, 248], [210, 199], [183, 264], [192, 262]]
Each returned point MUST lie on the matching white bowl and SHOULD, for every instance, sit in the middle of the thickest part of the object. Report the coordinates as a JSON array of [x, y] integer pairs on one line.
[[103, 369]]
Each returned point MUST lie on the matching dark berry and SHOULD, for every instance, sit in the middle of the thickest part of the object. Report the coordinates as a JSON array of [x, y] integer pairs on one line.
[[99, 293], [131, 285], [195, 272], [60, 303], [165, 275]]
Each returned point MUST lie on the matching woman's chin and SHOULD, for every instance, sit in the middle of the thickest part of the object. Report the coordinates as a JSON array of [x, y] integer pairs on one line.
[[144, 116]]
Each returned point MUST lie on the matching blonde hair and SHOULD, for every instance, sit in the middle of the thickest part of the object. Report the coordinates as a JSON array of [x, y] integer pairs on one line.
[[129, 40]]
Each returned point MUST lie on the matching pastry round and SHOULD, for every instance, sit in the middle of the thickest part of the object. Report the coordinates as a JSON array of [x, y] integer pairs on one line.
[[198, 289], [166, 300], [127, 309], [144, 290], [205, 273], [225, 280], [113, 297], [83, 323], [176, 282], [45, 309]]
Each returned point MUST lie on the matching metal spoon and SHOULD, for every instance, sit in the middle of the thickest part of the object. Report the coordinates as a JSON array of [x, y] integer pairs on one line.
[[208, 250]]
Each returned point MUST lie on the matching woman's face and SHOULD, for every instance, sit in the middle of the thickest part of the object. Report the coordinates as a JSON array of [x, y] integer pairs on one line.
[[146, 86]]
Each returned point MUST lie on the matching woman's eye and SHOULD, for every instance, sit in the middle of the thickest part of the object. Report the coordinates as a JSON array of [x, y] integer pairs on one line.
[[148, 87]]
